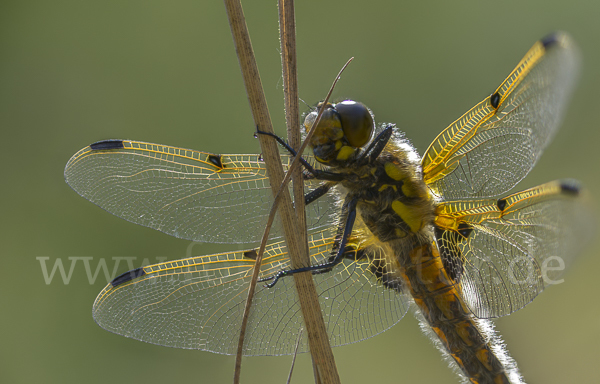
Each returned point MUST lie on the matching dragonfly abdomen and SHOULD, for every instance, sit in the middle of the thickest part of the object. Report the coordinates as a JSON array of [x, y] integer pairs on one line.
[[441, 306]]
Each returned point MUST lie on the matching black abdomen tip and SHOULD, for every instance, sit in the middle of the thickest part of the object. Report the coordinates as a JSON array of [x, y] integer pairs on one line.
[[127, 276], [107, 144]]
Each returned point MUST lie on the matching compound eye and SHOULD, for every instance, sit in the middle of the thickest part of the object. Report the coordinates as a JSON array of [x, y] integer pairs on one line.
[[357, 122]]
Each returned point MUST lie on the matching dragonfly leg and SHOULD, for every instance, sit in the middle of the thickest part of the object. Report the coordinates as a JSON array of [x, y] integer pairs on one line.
[[279, 140], [316, 193], [316, 173], [350, 208], [377, 145]]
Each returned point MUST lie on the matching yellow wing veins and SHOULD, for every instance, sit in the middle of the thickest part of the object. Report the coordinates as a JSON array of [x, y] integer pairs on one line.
[[440, 158], [450, 214]]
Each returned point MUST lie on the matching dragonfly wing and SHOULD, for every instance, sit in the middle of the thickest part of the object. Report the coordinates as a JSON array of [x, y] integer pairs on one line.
[[188, 194], [504, 252], [493, 146], [197, 303]]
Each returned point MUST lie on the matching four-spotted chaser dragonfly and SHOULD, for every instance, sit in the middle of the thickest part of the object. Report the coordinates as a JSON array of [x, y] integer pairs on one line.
[[387, 228]]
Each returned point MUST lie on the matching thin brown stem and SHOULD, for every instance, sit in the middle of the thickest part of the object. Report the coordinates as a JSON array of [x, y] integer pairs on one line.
[[260, 113], [324, 363], [317, 335]]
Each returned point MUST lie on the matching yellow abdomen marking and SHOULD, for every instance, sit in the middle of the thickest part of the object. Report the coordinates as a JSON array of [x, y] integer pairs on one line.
[[409, 216], [442, 336], [444, 303], [462, 329], [431, 276], [483, 355]]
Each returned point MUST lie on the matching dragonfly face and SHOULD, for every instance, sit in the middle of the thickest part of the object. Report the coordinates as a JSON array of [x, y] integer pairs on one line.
[[343, 128], [438, 231]]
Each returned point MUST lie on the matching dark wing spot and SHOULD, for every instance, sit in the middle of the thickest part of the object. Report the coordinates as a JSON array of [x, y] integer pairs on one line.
[[216, 160], [107, 144], [549, 41], [501, 204], [251, 254], [570, 188], [465, 230], [127, 276], [495, 100]]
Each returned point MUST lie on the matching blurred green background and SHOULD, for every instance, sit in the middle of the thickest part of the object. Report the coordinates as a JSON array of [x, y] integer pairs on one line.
[[74, 72]]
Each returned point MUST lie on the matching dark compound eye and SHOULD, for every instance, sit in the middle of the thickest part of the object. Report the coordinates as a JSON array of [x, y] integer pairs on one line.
[[357, 122]]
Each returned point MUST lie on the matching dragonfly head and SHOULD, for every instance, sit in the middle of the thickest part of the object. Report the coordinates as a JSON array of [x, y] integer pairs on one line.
[[344, 127]]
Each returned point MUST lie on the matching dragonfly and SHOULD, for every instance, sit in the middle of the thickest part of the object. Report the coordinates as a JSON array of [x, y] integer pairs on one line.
[[387, 228]]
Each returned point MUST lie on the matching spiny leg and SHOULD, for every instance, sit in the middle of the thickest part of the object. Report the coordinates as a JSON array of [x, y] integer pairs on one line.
[[316, 173], [377, 145], [350, 208], [317, 192], [313, 195]]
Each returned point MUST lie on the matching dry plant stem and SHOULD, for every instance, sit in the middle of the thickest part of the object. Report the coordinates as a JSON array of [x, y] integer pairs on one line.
[[319, 366], [287, 37], [273, 163], [322, 357], [311, 131], [324, 367], [271, 156], [265, 237], [269, 148]]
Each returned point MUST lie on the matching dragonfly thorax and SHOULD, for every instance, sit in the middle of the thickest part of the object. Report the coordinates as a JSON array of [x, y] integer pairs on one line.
[[388, 187], [393, 199]]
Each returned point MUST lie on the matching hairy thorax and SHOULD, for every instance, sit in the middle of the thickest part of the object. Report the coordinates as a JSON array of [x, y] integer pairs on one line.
[[393, 200]]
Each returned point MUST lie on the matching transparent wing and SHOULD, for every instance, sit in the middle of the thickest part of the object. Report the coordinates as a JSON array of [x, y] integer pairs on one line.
[[197, 303], [504, 252], [493, 146], [188, 194]]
